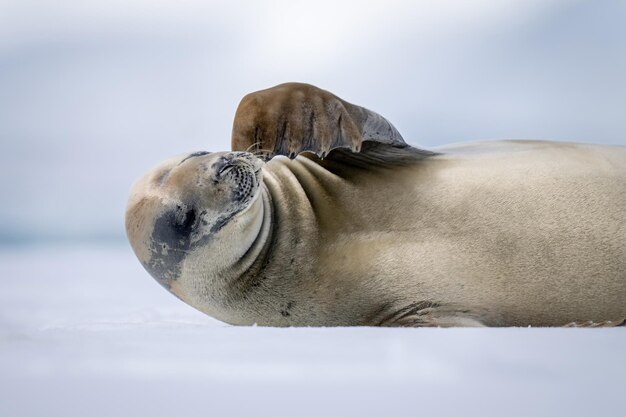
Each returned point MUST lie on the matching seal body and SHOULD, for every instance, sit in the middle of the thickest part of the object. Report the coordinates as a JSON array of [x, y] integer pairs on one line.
[[495, 233], [504, 233]]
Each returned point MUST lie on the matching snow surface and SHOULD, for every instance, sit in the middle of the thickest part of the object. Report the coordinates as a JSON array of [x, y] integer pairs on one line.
[[86, 332]]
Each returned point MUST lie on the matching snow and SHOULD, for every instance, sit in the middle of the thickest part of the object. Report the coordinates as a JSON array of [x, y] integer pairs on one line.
[[84, 331]]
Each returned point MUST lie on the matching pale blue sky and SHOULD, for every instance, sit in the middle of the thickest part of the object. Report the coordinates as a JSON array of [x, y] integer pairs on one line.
[[92, 94]]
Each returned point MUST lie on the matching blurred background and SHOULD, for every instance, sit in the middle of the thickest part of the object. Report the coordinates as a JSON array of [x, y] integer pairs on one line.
[[92, 94]]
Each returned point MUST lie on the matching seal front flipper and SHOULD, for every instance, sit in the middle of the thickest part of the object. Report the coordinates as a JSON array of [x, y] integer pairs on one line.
[[293, 118], [606, 323], [428, 314]]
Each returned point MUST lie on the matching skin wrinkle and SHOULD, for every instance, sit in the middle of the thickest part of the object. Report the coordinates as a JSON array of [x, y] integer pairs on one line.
[[255, 260]]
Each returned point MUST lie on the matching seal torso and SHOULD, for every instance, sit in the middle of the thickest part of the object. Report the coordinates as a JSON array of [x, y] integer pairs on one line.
[[474, 227]]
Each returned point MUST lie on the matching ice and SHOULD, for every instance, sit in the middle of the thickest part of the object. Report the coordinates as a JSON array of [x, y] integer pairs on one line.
[[84, 331]]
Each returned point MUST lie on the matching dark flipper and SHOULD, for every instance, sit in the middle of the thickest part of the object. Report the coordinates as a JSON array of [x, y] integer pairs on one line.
[[293, 118]]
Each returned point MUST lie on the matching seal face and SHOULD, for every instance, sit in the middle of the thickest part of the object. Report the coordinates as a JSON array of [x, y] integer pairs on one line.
[[186, 201]]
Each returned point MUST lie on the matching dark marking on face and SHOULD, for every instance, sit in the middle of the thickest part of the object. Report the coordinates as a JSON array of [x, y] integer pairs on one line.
[[223, 221], [163, 176], [193, 155], [171, 240]]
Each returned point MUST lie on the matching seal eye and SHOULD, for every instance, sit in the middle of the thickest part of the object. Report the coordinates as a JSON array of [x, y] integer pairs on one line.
[[225, 170]]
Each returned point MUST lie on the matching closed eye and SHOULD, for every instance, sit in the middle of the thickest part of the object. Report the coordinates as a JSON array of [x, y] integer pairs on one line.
[[225, 170]]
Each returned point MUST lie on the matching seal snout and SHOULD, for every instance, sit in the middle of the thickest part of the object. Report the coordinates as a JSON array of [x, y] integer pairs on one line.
[[242, 171]]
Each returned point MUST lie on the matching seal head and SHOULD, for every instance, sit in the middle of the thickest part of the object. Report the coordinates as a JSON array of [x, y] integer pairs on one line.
[[182, 204]]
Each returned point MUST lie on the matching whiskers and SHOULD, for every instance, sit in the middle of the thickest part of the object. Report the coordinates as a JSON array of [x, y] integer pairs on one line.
[[256, 150], [255, 145]]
